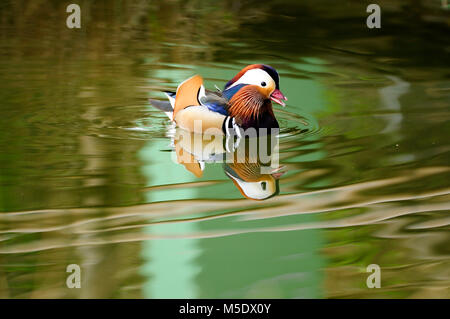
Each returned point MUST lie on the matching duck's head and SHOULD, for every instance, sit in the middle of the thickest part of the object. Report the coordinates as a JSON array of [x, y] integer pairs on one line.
[[256, 82]]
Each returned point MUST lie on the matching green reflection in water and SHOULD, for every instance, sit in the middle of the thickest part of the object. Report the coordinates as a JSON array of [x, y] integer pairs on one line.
[[169, 265]]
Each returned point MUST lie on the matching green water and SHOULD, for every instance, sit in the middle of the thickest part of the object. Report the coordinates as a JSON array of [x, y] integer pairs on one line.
[[87, 174]]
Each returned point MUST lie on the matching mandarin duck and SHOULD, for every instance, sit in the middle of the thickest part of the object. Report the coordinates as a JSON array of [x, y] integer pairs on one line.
[[245, 102]]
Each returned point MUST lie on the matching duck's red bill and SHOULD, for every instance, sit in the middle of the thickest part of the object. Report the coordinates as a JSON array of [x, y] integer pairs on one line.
[[278, 97]]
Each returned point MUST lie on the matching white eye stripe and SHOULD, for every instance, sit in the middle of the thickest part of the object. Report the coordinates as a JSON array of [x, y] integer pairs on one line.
[[255, 77]]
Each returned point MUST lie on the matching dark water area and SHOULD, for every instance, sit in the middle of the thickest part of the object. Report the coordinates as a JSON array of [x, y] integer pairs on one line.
[[87, 174]]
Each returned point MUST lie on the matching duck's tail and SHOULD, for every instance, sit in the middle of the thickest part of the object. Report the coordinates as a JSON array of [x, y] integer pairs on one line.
[[165, 106]]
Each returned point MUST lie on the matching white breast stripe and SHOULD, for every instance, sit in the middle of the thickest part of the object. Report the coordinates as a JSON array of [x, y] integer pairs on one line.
[[227, 129]]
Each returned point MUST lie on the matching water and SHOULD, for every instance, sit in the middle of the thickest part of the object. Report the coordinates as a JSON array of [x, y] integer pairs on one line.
[[86, 170]]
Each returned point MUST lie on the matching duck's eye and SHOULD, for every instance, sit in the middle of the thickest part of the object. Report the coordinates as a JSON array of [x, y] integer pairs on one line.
[[263, 186], [263, 84]]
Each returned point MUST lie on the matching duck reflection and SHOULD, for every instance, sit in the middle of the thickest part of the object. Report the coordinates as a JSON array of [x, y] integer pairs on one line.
[[250, 162]]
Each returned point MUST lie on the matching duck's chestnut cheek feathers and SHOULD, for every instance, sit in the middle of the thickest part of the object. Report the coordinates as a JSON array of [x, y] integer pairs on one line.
[[246, 103]]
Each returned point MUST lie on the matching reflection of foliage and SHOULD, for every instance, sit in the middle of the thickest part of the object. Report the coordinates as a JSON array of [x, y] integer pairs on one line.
[[182, 31], [109, 26]]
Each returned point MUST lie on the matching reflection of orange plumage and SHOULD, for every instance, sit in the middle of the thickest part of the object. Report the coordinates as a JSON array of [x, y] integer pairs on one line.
[[249, 178], [250, 172], [188, 160]]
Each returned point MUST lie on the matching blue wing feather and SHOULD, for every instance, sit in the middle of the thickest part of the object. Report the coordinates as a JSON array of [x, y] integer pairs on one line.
[[219, 108]]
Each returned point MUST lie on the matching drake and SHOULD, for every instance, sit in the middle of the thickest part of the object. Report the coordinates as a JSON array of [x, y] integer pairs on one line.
[[245, 102]]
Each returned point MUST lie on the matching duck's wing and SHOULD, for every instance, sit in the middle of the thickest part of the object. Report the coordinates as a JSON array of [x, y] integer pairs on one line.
[[189, 93], [215, 102]]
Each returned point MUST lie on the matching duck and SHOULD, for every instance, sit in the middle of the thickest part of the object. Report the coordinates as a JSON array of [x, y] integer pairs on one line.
[[244, 103]]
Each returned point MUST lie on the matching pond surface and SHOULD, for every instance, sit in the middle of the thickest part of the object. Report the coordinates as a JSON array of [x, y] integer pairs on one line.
[[87, 174]]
